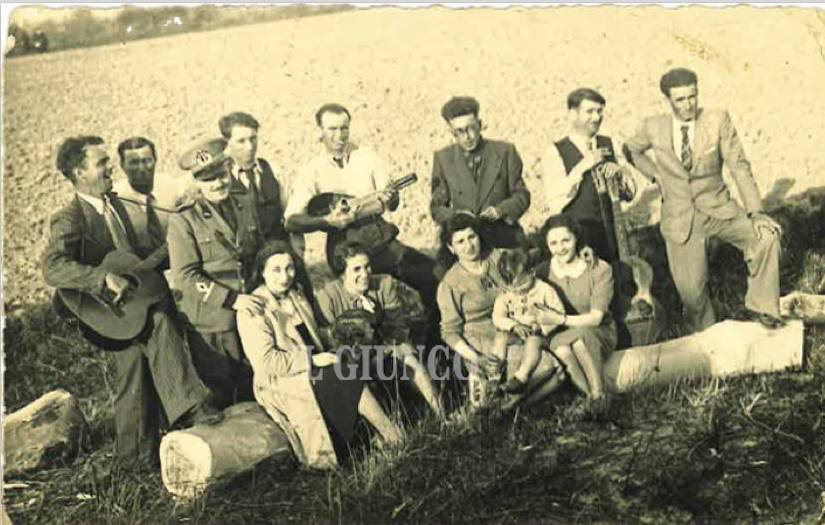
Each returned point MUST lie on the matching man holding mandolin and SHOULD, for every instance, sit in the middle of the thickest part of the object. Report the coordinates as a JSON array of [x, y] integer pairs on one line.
[[122, 305], [344, 191]]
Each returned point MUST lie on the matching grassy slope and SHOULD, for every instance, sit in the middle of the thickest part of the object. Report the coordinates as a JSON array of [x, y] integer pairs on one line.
[[744, 450]]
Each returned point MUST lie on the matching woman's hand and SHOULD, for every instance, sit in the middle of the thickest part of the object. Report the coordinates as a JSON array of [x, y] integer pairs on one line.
[[324, 359], [551, 316], [523, 331]]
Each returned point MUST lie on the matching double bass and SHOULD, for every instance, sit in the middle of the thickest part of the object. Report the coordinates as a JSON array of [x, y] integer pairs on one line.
[[640, 317]]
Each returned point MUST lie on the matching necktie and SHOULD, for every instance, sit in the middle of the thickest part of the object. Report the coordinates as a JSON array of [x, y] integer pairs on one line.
[[248, 178], [687, 154], [153, 228], [120, 236], [339, 161]]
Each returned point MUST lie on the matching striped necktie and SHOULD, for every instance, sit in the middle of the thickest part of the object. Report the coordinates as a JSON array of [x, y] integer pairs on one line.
[[687, 154]]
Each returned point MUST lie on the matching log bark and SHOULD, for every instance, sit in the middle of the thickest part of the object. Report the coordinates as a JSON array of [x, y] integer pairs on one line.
[[201, 457], [725, 349], [46, 430]]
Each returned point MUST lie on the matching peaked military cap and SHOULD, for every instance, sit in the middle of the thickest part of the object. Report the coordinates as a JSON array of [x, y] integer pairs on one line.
[[458, 106], [202, 159]]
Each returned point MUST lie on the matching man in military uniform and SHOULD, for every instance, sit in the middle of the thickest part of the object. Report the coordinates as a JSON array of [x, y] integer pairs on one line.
[[212, 243]]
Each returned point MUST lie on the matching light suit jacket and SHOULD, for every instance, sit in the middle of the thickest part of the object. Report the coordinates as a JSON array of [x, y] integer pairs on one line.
[[281, 365], [716, 143]]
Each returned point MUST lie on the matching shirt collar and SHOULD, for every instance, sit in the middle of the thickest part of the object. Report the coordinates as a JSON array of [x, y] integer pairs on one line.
[[348, 150], [572, 272], [581, 141], [235, 168], [95, 202], [678, 123]]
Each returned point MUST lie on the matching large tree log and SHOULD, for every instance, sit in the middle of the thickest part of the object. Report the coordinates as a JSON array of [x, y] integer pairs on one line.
[[725, 349], [196, 458], [47, 429]]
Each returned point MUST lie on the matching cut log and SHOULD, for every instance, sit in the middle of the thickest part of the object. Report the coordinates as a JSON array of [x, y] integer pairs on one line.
[[808, 307], [46, 430], [725, 349], [200, 457]]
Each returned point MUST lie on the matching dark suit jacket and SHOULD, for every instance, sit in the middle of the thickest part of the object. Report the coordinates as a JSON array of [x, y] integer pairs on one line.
[[715, 143], [500, 183], [78, 242]]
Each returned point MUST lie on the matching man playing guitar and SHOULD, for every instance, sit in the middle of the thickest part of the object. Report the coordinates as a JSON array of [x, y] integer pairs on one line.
[[154, 368]]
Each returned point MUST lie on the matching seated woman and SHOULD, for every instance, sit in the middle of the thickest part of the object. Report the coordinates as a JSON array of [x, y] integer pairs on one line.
[[585, 284], [390, 301], [466, 297], [300, 385]]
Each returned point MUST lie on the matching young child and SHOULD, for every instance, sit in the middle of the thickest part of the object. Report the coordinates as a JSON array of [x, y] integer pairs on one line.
[[517, 311]]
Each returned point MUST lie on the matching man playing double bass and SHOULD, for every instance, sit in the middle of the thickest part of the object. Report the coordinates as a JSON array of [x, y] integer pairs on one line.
[[154, 370], [571, 186]]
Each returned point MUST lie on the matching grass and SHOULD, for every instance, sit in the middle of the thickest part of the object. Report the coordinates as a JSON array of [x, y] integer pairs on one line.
[[745, 450]]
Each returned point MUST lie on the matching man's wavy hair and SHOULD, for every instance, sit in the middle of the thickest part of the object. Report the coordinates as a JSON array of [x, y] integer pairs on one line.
[[72, 153]]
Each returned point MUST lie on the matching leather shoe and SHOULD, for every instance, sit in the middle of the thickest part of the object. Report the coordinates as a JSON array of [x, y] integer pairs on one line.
[[204, 413], [765, 319]]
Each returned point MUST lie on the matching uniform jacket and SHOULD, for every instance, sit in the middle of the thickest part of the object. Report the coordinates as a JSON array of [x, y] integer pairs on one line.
[[281, 364], [209, 261], [715, 143], [500, 182]]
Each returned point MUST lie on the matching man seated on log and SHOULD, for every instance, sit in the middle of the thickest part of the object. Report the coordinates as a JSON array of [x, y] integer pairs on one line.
[[154, 370], [691, 144], [573, 170], [212, 247], [344, 168]]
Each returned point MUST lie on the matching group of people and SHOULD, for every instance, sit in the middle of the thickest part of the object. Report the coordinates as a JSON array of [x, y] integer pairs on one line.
[[244, 322]]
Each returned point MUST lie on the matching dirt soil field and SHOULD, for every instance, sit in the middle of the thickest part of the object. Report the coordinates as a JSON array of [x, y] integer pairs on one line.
[[394, 68]]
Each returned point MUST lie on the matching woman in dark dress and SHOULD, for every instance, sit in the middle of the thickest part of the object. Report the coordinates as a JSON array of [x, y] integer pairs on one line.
[[310, 393]]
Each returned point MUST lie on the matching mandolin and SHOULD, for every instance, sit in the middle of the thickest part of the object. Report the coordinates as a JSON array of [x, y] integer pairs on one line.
[[366, 206], [640, 317]]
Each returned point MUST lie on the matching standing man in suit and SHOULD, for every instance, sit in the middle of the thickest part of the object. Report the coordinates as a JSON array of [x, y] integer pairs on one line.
[[691, 145], [212, 246], [346, 168], [138, 160], [568, 166], [480, 176], [154, 370]]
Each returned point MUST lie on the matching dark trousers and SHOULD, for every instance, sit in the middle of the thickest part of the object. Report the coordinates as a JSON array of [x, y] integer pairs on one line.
[[156, 382], [602, 238], [222, 365]]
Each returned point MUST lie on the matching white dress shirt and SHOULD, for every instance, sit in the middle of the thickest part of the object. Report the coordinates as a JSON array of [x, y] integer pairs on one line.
[[363, 173], [257, 173], [559, 188]]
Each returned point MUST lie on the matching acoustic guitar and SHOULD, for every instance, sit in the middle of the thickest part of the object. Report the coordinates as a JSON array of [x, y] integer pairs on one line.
[[640, 317], [102, 320], [369, 205]]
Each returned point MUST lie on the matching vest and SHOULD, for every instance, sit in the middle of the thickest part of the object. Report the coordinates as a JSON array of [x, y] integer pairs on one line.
[[584, 207]]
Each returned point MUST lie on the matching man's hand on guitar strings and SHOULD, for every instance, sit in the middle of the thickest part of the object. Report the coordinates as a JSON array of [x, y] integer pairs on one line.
[[340, 219], [118, 285]]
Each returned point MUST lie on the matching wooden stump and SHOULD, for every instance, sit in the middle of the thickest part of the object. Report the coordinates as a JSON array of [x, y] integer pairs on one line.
[[46, 429], [196, 458], [725, 349]]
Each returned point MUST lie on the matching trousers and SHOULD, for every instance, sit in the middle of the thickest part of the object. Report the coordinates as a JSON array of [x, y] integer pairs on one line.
[[156, 382], [689, 266]]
